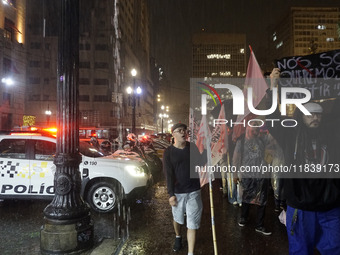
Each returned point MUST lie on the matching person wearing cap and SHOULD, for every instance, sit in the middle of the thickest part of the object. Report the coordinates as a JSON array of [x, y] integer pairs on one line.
[[313, 201], [183, 185]]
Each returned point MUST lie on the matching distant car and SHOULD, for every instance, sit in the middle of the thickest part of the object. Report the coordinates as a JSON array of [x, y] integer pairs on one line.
[[27, 172], [164, 136], [160, 145]]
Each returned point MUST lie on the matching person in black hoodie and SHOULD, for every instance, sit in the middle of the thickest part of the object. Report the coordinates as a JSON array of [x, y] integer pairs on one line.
[[313, 198]]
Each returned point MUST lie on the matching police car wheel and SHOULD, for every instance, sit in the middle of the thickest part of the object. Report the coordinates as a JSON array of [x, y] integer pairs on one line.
[[104, 196]]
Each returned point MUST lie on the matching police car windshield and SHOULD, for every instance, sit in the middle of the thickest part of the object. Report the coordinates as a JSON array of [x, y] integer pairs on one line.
[[88, 150]]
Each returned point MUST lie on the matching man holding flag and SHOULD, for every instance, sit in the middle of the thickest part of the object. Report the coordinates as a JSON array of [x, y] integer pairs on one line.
[[183, 189]]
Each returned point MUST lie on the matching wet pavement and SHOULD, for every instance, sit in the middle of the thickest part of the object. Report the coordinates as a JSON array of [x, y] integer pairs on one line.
[[21, 220], [147, 227], [151, 230]]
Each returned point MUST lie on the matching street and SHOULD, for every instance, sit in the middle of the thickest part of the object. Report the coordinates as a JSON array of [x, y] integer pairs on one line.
[[147, 227]]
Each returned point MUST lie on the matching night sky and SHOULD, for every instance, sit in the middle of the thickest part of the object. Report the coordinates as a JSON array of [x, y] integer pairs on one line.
[[174, 21]]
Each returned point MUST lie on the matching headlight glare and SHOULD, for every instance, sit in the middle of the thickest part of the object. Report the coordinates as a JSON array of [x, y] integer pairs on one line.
[[135, 171]]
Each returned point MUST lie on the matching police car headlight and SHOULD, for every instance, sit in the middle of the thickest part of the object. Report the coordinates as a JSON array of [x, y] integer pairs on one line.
[[135, 171]]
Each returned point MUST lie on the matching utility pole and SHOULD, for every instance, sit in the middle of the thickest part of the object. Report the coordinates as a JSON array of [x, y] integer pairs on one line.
[[68, 227]]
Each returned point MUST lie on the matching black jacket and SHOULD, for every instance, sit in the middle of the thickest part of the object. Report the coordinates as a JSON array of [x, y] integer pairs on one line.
[[179, 168], [312, 194]]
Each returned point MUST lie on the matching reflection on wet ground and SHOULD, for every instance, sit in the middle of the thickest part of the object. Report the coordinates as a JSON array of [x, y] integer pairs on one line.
[[146, 226], [20, 223]]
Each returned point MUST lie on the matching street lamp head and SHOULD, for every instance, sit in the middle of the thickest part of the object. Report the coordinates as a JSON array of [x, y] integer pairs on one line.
[[129, 90], [162, 107], [139, 90], [133, 72], [7, 81]]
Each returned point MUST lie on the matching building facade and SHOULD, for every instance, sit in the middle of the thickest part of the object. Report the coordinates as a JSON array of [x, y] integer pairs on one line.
[[218, 55], [12, 63], [114, 38], [306, 30]]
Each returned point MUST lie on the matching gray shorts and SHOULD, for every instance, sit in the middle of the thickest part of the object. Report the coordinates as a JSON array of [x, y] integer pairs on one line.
[[191, 205]]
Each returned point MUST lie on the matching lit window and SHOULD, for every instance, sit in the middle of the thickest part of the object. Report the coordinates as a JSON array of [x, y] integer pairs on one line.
[[218, 56], [321, 27], [330, 39], [242, 50], [226, 73]]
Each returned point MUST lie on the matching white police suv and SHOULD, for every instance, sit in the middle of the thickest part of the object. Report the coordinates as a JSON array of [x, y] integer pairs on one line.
[[27, 171]]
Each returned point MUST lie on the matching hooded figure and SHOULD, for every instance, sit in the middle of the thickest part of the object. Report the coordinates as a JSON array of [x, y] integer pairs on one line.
[[312, 187]]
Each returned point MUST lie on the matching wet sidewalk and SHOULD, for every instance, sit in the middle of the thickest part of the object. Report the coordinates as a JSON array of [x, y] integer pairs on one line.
[[151, 230], [147, 228]]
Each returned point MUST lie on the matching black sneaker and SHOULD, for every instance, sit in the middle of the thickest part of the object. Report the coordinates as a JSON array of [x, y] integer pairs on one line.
[[178, 244], [242, 222], [263, 231]]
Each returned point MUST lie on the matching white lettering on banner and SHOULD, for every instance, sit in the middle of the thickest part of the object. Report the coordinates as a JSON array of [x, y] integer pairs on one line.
[[319, 73]]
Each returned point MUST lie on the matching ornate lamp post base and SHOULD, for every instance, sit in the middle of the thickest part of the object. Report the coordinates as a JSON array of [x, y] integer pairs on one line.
[[66, 236]]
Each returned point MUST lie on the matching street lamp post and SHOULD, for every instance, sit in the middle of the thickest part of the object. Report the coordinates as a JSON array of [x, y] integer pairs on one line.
[[134, 73], [48, 115], [134, 92], [68, 227], [163, 116]]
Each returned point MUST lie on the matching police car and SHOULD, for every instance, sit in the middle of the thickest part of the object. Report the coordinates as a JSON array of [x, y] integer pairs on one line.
[[27, 171]]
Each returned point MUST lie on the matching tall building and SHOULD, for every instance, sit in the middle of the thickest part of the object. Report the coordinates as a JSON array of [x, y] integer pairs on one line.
[[306, 30], [114, 38], [12, 63], [134, 40], [41, 80], [218, 55]]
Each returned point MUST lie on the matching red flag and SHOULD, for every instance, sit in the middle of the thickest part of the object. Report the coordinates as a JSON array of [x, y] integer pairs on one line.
[[200, 135], [219, 140], [256, 81]]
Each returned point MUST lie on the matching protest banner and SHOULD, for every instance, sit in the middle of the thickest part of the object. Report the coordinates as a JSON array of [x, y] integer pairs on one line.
[[319, 73]]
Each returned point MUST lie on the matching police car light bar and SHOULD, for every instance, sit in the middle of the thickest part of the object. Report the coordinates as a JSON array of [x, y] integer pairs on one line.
[[37, 134]]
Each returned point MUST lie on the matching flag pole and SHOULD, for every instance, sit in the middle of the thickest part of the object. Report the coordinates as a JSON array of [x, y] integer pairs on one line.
[[212, 215], [208, 139], [224, 176], [230, 185]]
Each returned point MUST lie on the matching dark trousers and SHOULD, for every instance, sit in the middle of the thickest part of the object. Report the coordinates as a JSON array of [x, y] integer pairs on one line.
[[259, 214]]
